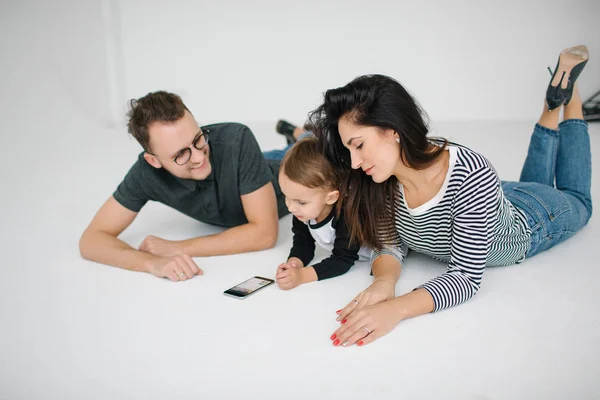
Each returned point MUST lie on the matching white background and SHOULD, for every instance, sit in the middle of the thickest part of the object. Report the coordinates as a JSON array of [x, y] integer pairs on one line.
[[75, 329]]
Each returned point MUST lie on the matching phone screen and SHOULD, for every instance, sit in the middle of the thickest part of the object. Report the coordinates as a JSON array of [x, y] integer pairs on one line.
[[248, 287]]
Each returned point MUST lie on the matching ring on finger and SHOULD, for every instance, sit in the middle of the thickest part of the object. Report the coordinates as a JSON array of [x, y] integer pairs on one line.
[[355, 302], [367, 329], [181, 274]]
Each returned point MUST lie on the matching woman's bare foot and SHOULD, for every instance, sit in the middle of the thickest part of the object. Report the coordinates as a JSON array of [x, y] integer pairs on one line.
[[574, 110], [549, 118]]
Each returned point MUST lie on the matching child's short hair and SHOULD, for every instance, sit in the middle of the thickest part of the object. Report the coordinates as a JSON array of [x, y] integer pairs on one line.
[[305, 163]]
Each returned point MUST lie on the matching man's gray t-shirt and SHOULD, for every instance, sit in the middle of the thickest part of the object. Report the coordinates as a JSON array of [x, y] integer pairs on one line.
[[238, 168]]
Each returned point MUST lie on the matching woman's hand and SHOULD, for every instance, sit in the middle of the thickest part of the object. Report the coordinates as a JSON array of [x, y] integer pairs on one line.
[[381, 289], [371, 322], [367, 324]]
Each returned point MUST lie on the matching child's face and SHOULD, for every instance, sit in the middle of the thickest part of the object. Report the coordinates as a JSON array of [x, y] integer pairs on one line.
[[307, 203]]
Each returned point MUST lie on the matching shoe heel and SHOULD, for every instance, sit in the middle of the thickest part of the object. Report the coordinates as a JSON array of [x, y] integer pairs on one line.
[[571, 61]]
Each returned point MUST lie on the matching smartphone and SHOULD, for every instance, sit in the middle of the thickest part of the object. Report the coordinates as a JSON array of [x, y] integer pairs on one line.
[[246, 288]]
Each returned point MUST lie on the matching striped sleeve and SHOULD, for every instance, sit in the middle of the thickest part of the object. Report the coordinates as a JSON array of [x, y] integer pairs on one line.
[[474, 215], [398, 252]]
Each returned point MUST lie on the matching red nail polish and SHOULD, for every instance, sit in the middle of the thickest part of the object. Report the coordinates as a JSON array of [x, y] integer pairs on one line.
[[360, 343], [338, 311], [333, 336], [337, 341], [344, 321]]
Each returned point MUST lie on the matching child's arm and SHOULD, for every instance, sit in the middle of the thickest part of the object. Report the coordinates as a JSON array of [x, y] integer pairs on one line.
[[291, 274], [343, 256], [303, 247]]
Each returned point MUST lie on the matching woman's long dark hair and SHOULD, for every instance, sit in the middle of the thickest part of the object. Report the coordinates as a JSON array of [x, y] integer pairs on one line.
[[377, 101]]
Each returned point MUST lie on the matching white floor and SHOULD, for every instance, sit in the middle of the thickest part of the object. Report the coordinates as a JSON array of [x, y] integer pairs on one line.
[[73, 329]]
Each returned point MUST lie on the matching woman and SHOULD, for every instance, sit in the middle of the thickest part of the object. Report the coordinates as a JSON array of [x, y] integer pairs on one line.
[[405, 190]]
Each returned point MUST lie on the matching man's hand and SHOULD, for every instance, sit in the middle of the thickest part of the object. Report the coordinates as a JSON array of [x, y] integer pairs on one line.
[[176, 268], [162, 247]]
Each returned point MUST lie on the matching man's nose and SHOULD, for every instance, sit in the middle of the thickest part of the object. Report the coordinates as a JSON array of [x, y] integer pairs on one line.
[[197, 155]]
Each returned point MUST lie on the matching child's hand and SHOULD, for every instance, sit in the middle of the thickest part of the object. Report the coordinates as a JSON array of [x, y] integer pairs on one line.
[[289, 275]]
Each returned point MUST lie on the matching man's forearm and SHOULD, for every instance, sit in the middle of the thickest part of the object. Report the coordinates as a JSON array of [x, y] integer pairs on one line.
[[239, 239], [106, 249]]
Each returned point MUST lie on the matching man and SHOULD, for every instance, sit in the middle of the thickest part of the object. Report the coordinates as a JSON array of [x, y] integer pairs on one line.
[[215, 174]]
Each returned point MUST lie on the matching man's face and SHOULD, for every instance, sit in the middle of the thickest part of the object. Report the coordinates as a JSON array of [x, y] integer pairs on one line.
[[169, 139]]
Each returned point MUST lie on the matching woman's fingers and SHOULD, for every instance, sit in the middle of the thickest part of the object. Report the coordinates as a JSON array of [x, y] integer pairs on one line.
[[357, 335], [354, 305], [364, 326], [374, 335]]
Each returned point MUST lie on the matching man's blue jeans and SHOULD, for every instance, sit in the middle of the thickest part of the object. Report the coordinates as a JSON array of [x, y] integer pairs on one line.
[[278, 154]]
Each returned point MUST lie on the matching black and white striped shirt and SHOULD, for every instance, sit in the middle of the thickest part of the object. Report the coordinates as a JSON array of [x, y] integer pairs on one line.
[[469, 224]]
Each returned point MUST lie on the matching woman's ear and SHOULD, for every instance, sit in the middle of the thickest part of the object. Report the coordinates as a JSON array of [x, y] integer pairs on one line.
[[332, 197], [390, 133], [152, 160]]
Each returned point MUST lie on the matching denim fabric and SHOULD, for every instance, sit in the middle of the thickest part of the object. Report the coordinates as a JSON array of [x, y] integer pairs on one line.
[[278, 154], [554, 190]]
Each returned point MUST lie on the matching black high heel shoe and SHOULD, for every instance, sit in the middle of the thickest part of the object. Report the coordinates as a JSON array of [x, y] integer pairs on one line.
[[286, 129], [570, 61]]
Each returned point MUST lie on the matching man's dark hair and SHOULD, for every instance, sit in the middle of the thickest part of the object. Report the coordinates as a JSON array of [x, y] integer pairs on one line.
[[156, 106]]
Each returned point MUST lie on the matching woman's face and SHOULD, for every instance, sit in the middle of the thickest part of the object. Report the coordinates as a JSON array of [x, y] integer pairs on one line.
[[374, 150]]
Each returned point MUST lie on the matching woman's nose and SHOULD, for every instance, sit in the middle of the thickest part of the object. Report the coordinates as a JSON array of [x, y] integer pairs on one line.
[[355, 161]]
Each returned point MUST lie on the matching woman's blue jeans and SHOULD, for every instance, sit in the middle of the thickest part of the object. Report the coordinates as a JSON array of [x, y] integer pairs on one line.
[[554, 190]]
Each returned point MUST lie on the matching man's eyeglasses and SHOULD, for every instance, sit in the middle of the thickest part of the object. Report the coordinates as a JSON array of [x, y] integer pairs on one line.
[[199, 143]]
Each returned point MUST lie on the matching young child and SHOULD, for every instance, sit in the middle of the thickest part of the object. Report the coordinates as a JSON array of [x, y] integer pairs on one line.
[[309, 184]]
